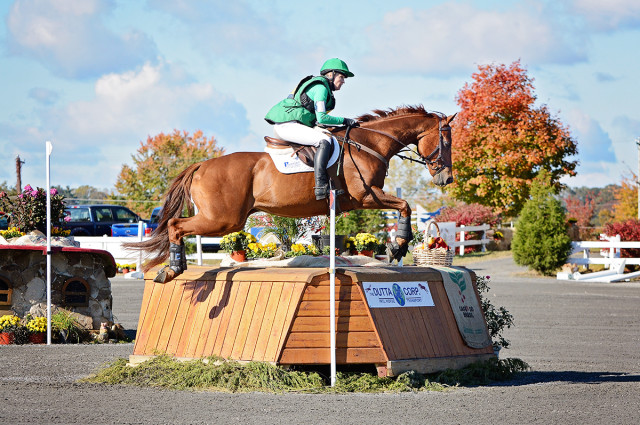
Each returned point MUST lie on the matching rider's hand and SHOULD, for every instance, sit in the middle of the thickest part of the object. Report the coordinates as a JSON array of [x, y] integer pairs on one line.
[[349, 122]]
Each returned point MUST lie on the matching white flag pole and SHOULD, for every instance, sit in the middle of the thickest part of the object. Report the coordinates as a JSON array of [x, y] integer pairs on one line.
[[49, 148], [332, 284]]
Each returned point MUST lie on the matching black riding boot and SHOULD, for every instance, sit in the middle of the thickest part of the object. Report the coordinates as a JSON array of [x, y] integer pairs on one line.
[[320, 162]]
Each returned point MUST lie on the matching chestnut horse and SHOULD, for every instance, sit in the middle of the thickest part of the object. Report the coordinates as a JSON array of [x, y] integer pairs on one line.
[[228, 189]]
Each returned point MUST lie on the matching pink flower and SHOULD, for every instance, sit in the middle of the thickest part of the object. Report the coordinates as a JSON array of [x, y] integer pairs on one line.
[[20, 196], [28, 188], [3, 194], [34, 193], [53, 191], [67, 219]]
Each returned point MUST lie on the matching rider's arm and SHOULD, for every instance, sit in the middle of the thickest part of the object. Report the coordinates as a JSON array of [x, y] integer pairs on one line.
[[319, 94]]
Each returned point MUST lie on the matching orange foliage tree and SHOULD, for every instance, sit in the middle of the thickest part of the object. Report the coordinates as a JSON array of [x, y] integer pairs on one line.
[[502, 141], [582, 212], [626, 206], [157, 162]]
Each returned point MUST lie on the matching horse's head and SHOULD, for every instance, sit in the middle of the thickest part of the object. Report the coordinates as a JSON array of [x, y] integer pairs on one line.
[[435, 147]]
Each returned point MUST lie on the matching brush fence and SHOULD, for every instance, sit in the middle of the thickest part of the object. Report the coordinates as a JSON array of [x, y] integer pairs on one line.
[[281, 315]]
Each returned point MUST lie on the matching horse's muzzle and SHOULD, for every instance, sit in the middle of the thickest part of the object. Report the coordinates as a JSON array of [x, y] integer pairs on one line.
[[444, 177]]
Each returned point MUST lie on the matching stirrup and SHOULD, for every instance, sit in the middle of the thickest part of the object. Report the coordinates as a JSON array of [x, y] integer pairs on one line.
[[321, 192]]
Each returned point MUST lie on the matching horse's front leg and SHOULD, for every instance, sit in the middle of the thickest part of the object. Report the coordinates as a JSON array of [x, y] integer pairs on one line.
[[379, 199]]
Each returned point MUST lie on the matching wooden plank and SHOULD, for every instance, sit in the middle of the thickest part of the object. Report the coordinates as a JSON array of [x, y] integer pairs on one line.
[[450, 333], [209, 318], [236, 317], [322, 356], [278, 323], [192, 307], [385, 334], [226, 311], [435, 364], [296, 297], [320, 308], [203, 296], [257, 321], [321, 324], [343, 340], [144, 307], [267, 322], [143, 337], [181, 317], [321, 293], [246, 320], [215, 314], [171, 308], [439, 343]]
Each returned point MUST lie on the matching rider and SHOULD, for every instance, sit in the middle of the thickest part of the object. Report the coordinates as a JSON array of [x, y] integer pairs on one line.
[[298, 117]]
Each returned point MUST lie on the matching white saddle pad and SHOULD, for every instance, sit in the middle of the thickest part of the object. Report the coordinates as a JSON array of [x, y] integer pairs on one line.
[[288, 163]]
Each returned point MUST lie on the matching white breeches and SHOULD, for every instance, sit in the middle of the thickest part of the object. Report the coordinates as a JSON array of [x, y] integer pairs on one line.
[[300, 133]]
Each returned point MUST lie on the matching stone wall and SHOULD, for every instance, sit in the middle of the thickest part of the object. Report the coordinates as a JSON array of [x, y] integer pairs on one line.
[[24, 267]]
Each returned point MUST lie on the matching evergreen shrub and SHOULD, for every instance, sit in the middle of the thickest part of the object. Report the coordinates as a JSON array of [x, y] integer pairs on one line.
[[541, 240]]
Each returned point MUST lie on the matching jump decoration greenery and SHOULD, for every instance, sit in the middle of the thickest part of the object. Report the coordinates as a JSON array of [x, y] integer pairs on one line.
[[259, 250], [237, 241], [498, 318], [298, 249], [28, 210]]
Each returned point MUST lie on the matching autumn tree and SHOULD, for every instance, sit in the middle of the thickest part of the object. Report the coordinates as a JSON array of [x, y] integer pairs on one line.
[[626, 206], [157, 162], [581, 211], [502, 141]]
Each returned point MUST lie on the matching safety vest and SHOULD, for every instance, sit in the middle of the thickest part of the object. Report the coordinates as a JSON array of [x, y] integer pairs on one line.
[[299, 107]]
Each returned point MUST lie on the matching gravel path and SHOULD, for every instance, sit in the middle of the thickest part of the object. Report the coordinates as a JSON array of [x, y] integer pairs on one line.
[[582, 341]]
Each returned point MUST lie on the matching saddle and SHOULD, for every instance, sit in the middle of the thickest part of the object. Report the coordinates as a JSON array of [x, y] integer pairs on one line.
[[304, 152]]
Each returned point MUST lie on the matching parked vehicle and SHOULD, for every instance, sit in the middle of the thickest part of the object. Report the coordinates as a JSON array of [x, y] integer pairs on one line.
[[131, 229], [96, 220]]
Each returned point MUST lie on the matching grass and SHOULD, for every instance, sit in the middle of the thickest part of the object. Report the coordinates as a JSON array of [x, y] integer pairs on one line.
[[214, 374]]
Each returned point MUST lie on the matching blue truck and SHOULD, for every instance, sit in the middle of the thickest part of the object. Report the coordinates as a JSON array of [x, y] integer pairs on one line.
[[131, 229]]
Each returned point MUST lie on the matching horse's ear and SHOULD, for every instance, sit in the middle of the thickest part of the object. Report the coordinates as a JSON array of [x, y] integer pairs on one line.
[[449, 119]]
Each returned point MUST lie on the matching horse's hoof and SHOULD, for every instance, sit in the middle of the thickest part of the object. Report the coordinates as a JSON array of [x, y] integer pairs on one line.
[[166, 274], [396, 252]]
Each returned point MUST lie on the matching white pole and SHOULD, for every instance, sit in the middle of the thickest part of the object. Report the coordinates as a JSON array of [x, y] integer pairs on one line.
[[198, 241], [332, 284], [49, 148], [140, 237]]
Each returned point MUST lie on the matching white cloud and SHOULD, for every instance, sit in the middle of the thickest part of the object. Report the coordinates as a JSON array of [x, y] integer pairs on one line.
[[455, 37], [610, 14], [594, 144], [101, 134], [70, 38]]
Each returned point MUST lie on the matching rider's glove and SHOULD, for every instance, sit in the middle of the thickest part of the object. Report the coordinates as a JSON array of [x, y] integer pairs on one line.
[[351, 122]]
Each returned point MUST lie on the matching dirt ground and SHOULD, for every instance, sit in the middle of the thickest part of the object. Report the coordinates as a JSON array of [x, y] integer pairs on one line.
[[581, 339]]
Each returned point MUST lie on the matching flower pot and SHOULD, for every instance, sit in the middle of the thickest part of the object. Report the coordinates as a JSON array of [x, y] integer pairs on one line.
[[37, 338], [239, 256], [366, 252], [125, 271], [6, 338]]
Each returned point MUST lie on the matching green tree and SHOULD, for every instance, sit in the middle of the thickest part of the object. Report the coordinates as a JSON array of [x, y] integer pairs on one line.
[[541, 240], [502, 141], [157, 162], [361, 221]]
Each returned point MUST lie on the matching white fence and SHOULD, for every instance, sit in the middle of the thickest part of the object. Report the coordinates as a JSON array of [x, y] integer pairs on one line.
[[609, 256]]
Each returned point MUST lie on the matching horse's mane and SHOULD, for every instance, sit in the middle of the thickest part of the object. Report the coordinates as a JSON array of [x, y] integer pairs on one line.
[[378, 114]]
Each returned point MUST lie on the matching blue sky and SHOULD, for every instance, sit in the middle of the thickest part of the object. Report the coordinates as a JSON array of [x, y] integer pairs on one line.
[[97, 77]]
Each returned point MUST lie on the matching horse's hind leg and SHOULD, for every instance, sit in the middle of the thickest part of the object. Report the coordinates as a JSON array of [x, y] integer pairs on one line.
[[179, 228]]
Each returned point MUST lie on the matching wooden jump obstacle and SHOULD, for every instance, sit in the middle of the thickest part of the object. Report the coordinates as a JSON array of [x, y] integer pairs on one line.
[[281, 315]]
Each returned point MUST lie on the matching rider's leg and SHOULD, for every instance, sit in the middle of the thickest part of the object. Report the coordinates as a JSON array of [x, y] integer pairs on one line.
[[320, 162], [299, 133]]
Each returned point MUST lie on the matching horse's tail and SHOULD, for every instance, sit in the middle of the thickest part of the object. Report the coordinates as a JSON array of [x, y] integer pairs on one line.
[[179, 193]]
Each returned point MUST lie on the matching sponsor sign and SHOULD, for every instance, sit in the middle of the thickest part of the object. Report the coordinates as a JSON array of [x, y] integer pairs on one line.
[[397, 294]]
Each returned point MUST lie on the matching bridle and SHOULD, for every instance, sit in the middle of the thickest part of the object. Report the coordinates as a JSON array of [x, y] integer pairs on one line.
[[428, 160]]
